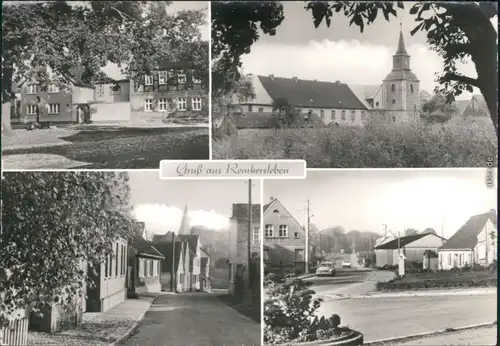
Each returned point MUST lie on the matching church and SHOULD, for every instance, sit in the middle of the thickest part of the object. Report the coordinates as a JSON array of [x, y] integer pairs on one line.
[[395, 101]]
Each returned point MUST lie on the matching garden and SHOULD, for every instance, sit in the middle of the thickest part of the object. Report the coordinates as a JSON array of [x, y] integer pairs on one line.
[[467, 143], [466, 277], [290, 316]]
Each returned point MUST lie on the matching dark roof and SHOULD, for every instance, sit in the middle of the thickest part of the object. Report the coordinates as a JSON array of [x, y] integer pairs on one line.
[[167, 237], [403, 241], [144, 247], [191, 239], [165, 249], [466, 236], [165, 64], [240, 211], [266, 206], [401, 45], [307, 93]]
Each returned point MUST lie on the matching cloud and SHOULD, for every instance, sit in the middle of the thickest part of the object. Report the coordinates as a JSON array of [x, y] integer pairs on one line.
[[348, 61], [160, 218]]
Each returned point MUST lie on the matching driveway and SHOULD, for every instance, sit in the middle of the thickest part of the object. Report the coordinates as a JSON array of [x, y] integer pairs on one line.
[[199, 319]]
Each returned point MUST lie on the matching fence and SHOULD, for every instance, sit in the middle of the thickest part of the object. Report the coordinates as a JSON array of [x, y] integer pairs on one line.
[[16, 332]]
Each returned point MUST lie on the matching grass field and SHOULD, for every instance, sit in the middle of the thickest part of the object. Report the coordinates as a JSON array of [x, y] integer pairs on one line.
[[457, 144]]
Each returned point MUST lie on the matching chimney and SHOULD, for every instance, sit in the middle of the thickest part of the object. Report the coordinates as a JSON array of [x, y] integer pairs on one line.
[[271, 76]]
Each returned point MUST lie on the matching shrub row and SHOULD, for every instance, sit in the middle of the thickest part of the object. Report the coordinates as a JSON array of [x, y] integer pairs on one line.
[[396, 285]]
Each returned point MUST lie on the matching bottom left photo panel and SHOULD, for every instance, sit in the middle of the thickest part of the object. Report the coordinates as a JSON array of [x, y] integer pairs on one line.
[[127, 258]]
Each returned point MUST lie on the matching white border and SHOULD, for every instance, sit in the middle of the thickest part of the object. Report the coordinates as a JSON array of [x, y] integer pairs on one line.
[[261, 236], [209, 81]]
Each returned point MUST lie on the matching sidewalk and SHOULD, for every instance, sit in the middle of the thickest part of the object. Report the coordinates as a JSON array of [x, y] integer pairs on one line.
[[99, 329], [417, 293], [23, 139]]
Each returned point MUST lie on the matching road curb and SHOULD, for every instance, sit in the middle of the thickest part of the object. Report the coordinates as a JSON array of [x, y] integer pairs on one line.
[[423, 335], [134, 327], [410, 294]]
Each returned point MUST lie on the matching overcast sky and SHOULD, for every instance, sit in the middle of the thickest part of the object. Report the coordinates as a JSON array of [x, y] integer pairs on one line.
[[343, 53], [364, 200], [160, 203]]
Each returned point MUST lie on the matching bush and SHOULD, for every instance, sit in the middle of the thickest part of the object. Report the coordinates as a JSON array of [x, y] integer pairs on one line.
[[289, 313], [395, 285], [378, 146]]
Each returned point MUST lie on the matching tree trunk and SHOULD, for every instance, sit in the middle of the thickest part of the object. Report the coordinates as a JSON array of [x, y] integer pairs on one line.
[[6, 125]]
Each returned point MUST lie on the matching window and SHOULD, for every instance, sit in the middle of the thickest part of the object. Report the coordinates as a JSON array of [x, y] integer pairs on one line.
[[106, 267], [250, 108], [269, 231], [31, 89], [53, 108], [394, 119], [362, 114], [31, 109], [117, 254], [353, 115], [115, 90], [393, 88], [411, 88], [110, 264], [376, 104], [196, 103], [283, 231], [333, 114], [162, 104], [148, 105], [296, 235], [53, 89], [261, 110], [449, 259], [124, 258], [181, 77], [196, 80], [393, 101], [146, 268], [342, 115], [299, 255], [181, 104], [162, 77], [255, 235], [266, 254], [140, 267], [148, 80], [322, 114], [150, 268]]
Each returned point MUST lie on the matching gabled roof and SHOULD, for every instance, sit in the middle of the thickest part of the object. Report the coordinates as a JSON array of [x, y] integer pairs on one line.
[[240, 211], [191, 239], [167, 237], [166, 250], [403, 241], [275, 201], [145, 248], [466, 236], [309, 93]]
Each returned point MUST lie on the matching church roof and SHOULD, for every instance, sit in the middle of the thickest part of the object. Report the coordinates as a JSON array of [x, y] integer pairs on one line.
[[401, 45], [401, 75]]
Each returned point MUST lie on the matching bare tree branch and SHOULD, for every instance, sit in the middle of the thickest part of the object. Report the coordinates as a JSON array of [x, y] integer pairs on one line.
[[459, 78]]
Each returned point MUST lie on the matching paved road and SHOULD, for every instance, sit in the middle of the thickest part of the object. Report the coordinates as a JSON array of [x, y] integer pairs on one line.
[[380, 318], [194, 319]]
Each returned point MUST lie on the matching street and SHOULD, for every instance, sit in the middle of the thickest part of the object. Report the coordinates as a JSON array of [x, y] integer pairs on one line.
[[194, 319]]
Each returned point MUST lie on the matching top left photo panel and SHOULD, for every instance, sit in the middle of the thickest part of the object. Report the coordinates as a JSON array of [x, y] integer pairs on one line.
[[104, 84]]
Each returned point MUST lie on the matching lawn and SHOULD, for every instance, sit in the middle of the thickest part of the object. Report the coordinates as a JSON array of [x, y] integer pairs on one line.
[[462, 144], [441, 279], [123, 148]]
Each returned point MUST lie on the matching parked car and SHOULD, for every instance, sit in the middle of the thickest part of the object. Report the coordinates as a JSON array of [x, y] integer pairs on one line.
[[326, 268], [346, 264]]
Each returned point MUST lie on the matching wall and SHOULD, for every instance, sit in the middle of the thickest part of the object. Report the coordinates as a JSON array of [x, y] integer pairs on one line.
[[451, 259], [393, 117], [104, 94], [110, 112], [144, 281], [386, 257], [82, 95], [406, 101], [63, 98], [486, 248]]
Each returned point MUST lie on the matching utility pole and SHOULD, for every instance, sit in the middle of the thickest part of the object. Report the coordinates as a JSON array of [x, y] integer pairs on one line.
[[249, 240], [442, 227], [307, 238], [399, 242], [173, 272], [385, 230]]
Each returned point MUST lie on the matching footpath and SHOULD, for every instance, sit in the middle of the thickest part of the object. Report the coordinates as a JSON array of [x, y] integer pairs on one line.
[[99, 329]]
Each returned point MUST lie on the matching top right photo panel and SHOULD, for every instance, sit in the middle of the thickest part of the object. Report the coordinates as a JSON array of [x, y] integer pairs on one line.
[[356, 84]]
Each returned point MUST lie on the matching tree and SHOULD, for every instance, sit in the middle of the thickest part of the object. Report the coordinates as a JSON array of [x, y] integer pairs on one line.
[[438, 109], [53, 223], [455, 30], [430, 230], [60, 42], [410, 231]]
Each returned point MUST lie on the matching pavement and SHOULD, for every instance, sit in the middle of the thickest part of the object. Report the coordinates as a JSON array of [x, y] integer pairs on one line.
[[99, 329], [40, 161], [194, 319]]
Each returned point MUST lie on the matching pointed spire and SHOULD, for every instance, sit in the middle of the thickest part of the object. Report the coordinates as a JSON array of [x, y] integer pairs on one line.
[[185, 227], [401, 43]]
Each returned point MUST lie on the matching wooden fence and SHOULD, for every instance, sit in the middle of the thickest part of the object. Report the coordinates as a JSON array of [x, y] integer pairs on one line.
[[16, 332]]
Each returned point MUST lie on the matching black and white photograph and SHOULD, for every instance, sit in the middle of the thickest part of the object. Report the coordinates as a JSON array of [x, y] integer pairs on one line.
[[104, 84], [355, 84], [381, 257], [124, 258]]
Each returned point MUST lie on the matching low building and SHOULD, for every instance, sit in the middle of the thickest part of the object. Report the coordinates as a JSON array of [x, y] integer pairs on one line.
[[238, 239], [112, 91], [175, 266], [474, 243], [284, 238], [412, 246]]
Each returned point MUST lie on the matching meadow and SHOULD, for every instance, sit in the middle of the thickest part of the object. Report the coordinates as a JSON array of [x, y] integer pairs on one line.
[[464, 143]]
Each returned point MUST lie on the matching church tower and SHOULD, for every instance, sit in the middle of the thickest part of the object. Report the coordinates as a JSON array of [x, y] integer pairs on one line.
[[401, 88], [185, 227]]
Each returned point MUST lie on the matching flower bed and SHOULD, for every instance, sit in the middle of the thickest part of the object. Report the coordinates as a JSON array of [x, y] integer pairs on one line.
[[290, 316]]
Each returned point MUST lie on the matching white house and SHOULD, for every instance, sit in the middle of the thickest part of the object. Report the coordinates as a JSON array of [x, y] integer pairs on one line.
[[474, 243]]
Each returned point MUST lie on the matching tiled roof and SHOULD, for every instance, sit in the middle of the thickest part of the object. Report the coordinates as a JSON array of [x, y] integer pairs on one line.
[[308, 93], [160, 238], [403, 241], [466, 236], [240, 211], [142, 246]]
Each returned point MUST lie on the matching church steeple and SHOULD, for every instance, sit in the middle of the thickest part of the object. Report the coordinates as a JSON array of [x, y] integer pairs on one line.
[[185, 228], [401, 43], [401, 60]]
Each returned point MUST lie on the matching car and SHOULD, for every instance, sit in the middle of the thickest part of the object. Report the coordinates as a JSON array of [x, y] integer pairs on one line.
[[326, 269], [346, 264]]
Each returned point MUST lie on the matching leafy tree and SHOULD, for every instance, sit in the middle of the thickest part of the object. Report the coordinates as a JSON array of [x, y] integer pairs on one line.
[[53, 224], [410, 231], [430, 230], [455, 30], [60, 42], [438, 103]]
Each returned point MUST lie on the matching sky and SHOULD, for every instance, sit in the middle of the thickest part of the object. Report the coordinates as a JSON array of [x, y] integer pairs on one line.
[[343, 53], [364, 200], [160, 203]]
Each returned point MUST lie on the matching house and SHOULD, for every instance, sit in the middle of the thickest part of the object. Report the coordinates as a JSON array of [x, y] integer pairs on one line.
[[476, 107], [174, 274], [144, 263], [284, 238], [199, 264], [174, 87], [412, 246], [238, 239], [474, 243], [333, 102], [110, 91]]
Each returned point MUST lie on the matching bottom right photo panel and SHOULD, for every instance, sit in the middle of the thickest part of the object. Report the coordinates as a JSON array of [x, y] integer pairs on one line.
[[381, 257]]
